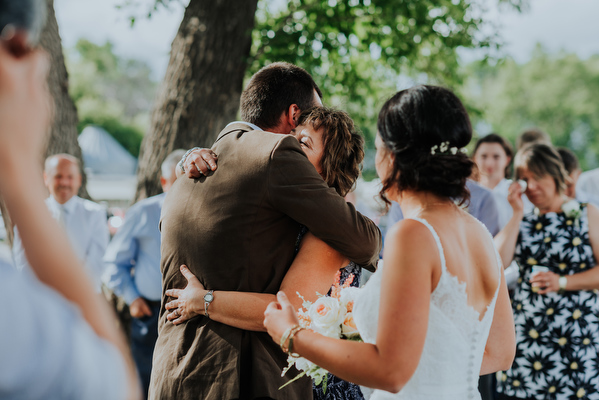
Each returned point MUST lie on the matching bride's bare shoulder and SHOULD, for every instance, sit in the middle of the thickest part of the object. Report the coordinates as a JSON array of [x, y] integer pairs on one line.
[[409, 236]]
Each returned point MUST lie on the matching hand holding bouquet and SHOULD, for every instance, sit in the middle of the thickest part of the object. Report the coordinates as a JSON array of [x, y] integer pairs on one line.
[[330, 316]]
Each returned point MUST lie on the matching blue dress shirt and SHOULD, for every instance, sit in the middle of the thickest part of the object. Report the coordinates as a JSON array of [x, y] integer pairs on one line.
[[136, 248], [482, 207]]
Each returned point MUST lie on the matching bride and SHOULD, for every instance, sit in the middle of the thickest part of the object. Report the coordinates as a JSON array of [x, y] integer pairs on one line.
[[438, 314]]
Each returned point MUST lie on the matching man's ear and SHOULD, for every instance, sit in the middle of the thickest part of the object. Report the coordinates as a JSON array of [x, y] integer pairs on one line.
[[293, 113]]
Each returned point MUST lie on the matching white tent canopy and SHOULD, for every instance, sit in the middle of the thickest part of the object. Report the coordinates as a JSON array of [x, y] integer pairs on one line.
[[103, 155]]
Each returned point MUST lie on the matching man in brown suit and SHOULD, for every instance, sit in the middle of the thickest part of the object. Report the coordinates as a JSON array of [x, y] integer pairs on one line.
[[236, 230]]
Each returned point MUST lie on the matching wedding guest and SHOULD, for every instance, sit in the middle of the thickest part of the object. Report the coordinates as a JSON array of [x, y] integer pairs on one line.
[[57, 339], [84, 221], [532, 135], [556, 302], [481, 206], [133, 269], [437, 313], [331, 143], [588, 182], [573, 169], [493, 155], [235, 229]]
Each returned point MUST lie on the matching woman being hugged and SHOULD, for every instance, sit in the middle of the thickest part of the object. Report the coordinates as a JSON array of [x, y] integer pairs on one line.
[[438, 314], [555, 303]]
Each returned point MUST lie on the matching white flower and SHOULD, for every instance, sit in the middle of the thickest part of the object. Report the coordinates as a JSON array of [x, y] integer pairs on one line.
[[464, 150], [349, 328], [434, 149], [347, 297], [304, 365], [454, 150], [572, 209], [444, 146], [327, 316]]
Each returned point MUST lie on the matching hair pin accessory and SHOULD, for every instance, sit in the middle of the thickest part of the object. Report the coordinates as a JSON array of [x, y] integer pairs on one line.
[[444, 148]]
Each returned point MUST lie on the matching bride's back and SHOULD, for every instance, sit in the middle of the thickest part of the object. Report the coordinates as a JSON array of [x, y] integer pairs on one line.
[[469, 252]]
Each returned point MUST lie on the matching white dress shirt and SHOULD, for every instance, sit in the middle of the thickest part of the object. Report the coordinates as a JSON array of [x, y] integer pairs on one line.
[[86, 226]]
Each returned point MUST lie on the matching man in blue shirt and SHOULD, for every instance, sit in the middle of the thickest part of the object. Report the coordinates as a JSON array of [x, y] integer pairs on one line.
[[133, 269], [482, 206]]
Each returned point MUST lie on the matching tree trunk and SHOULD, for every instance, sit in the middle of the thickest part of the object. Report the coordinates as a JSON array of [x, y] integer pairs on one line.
[[62, 137], [63, 133], [200, 92]]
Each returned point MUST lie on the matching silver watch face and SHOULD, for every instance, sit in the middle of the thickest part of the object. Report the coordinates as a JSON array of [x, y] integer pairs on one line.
[[208, 297]]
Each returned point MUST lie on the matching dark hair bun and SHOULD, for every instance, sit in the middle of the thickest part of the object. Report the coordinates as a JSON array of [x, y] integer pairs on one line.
[[411, 124]]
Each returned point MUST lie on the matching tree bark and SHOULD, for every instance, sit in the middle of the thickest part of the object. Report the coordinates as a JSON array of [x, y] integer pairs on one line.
[[200, 92], [62, 137], [63, 133]]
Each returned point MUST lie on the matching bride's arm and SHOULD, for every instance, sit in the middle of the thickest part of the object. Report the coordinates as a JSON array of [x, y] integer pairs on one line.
[[312, 271], [501, 343], [403, 317]]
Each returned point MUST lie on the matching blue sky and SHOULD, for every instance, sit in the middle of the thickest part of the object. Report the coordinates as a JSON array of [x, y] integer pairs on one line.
[[569, 25]]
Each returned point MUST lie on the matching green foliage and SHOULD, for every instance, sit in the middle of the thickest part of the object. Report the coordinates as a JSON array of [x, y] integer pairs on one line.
[[111, 92], [558, 94], [360, 50]]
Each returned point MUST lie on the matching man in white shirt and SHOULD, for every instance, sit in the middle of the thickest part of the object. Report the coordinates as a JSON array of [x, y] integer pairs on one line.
[[84, 221]]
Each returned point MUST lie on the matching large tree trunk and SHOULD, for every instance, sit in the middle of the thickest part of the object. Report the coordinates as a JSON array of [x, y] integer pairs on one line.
[[63, 132], [200, 92]]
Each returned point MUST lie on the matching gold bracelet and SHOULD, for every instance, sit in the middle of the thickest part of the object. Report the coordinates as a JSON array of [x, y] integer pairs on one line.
[[289, 332], [284, 338], [292, 334]]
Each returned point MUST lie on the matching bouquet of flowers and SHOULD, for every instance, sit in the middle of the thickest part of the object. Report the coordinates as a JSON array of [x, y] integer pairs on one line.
[[330, 316]]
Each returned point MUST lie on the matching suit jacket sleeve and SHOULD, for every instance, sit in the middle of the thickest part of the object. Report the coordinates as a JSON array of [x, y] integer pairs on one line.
[[297, 190]]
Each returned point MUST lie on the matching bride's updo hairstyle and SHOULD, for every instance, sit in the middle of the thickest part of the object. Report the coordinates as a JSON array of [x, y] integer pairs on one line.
[[411, 124]]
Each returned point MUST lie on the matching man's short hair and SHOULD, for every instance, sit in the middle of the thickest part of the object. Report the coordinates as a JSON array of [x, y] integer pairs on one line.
[[168, 165], [27, 15], [532, 135], [273, 89], [52, 161], [569, 159]]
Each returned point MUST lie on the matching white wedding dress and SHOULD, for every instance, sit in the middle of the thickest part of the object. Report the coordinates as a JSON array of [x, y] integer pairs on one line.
[[455, 340]]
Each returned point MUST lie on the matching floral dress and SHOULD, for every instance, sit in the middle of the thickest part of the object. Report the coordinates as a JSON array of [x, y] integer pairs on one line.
[[557, 334], [337, 389]]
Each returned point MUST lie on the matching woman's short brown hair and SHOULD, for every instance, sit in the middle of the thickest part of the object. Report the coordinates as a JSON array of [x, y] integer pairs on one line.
[[343, 146], [542, 160]]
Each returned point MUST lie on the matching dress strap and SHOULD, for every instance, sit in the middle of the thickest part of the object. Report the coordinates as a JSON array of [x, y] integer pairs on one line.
[[437, 240]]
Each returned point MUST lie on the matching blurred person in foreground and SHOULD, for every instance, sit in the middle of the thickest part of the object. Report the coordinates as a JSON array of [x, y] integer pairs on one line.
[[84, 221], [573, 168], [60, 341], [133, 269], [436, 314], [555, 304]]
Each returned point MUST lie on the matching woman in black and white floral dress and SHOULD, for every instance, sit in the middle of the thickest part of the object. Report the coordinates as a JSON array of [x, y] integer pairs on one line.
[[555, 310]]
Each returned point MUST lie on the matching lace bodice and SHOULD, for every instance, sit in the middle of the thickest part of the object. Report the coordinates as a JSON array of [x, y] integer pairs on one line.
[[455, 340]]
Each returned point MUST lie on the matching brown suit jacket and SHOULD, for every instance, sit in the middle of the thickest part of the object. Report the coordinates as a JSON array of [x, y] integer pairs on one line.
[[236, 230]]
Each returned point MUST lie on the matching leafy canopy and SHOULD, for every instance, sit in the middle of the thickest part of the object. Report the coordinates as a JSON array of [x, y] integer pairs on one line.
[[557, 93]]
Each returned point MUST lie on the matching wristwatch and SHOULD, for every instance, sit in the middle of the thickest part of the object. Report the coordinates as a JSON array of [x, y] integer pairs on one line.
[[208, 298], [562, 282]]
